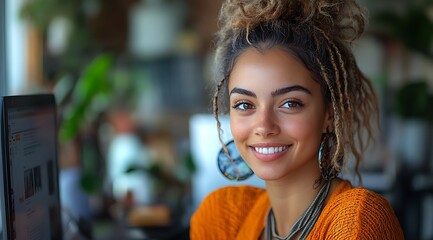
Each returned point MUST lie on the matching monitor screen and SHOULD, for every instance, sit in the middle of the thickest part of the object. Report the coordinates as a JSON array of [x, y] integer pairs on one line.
[[30, 192]]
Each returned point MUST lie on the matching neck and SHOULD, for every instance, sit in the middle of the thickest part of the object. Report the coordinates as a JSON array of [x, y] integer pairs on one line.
[[290, 198]]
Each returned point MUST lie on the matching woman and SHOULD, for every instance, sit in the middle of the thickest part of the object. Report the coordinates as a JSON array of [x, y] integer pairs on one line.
[[298, 105]]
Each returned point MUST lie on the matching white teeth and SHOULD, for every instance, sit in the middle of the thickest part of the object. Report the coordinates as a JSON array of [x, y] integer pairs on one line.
[[270, 150]]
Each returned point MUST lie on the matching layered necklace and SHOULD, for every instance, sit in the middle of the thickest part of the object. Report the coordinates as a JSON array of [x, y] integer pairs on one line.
[[304, 224]]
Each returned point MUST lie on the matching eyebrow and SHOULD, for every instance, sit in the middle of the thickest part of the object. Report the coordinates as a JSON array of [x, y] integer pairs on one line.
[[275, 93], [290, 89], [243, 92]]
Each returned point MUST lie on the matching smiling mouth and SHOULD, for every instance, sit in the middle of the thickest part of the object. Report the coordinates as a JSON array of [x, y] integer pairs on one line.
[[270, 150]]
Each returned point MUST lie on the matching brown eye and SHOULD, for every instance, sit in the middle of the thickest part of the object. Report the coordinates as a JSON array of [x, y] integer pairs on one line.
[[243, 106], [291, 104]]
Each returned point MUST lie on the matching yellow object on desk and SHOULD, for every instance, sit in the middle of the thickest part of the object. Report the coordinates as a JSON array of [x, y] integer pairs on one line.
[[149, 216]]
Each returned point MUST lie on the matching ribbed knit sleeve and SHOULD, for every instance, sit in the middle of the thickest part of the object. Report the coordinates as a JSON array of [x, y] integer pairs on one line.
[[221, 213], [357, 214]]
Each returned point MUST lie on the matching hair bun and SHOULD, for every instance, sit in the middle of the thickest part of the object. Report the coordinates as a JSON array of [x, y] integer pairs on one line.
[[341, 20]]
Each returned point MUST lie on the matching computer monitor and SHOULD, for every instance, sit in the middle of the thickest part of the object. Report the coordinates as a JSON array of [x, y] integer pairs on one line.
[[30, 202]]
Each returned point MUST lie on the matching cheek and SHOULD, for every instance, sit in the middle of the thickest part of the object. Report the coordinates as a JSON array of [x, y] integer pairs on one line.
[[304, 128], [306, 134], [239, 128]]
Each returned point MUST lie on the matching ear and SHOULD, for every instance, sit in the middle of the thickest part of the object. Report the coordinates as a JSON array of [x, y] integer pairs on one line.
[[328, 124]]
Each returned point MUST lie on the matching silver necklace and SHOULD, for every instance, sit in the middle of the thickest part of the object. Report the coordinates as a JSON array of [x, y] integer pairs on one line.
[[304, 224]]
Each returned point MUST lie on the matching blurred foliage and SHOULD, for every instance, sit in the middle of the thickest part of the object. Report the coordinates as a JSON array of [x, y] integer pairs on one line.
[[157, 171], [100, 87], [93, 85], [88, 98], [82, 76], [81, 42], [91, 180], [169, 187], [413, 101], [42, 12], [413, 27], [89, 81]]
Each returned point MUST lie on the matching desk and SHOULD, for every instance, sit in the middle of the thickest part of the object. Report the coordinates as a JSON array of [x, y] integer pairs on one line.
[[108, 229]]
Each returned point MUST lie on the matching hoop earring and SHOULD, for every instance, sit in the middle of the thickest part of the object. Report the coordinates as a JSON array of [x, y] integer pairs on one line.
[[327, 146], [231, 164]]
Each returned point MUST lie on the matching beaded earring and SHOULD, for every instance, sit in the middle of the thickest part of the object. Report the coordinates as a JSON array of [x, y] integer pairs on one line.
[[231, 164]]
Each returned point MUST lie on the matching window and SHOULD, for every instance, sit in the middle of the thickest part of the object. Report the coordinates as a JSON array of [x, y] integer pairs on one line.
[[12, 48], [2, 48]]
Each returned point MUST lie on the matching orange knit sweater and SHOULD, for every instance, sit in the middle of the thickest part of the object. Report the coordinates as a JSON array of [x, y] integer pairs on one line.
[[240, 212]]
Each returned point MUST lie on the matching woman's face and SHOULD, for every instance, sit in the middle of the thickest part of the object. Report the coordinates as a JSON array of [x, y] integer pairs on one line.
[[277, 114]]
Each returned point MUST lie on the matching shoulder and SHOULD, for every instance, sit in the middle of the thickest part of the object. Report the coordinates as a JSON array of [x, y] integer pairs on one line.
[[358, 197], [223, 211], [230, 193], [234, 199], [354, 213]]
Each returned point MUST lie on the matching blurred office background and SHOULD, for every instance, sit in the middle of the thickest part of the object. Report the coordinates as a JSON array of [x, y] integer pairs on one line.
[[133, 80]]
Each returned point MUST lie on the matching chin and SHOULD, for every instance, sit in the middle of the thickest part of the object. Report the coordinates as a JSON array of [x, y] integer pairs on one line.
[[268, 176]]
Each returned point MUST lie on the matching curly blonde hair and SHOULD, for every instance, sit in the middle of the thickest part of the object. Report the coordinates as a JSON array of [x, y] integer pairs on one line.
[[319, 33]]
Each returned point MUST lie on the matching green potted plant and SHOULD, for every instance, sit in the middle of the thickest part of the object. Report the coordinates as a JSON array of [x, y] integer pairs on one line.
[[413, 100], [413, 105], [87, 99], [412, 27]]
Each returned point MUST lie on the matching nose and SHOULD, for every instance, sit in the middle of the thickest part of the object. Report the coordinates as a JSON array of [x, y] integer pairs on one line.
[[266, 123]]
